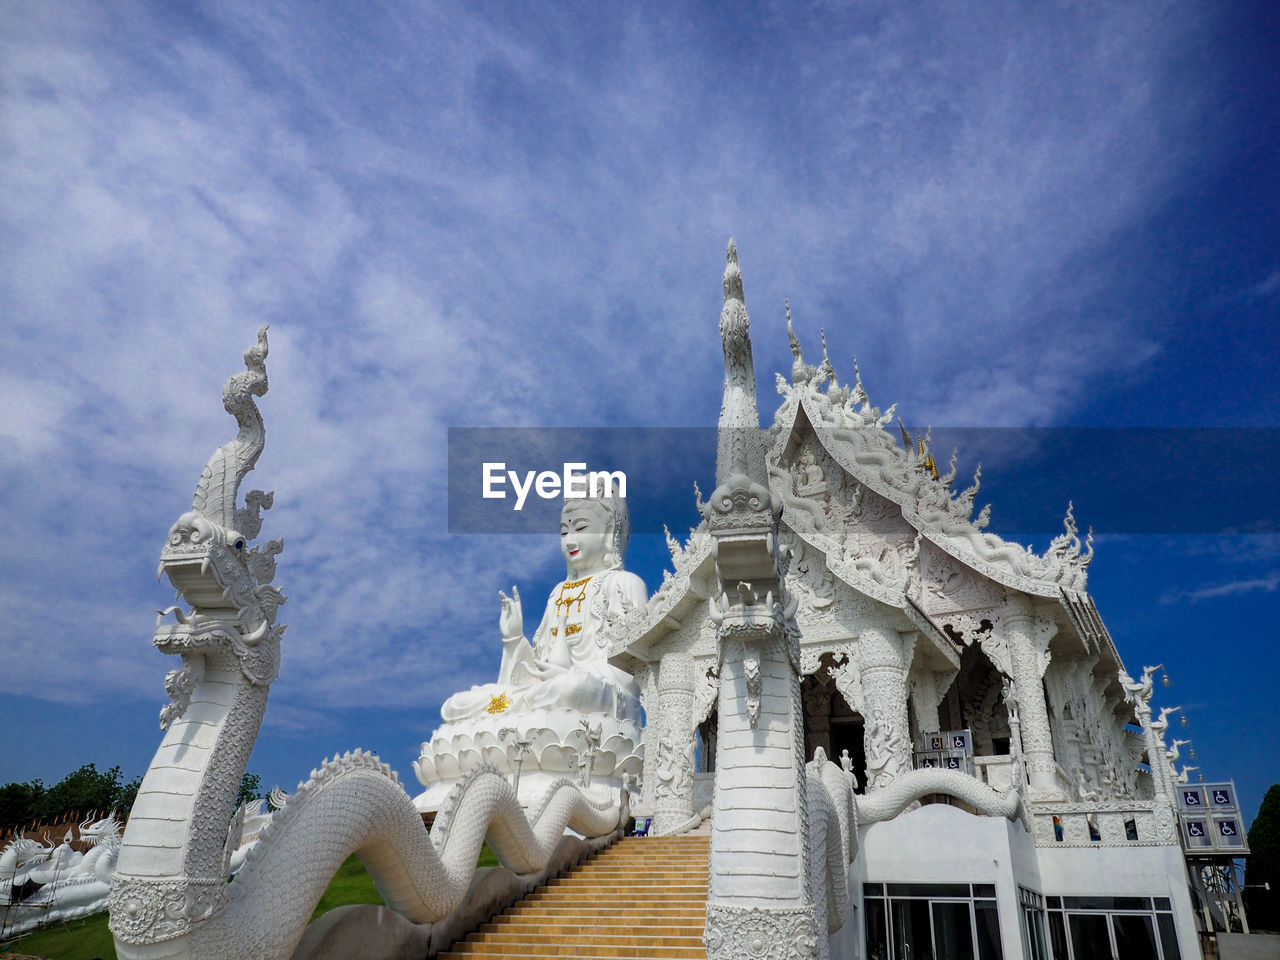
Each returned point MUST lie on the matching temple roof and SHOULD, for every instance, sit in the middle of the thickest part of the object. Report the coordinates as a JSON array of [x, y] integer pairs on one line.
[[935, 558]]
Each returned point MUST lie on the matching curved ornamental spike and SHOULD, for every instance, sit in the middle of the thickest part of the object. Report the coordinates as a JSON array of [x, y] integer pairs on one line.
[[215, 496], [170, 892], [207, 556]]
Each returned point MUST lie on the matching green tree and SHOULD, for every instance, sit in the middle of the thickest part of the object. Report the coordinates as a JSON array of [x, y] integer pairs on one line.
[[250, 788], [126, 796], [20, 803], [1262, 866], [81, 791]]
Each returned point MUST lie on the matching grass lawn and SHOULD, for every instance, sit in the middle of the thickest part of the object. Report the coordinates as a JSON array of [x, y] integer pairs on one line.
[[89, 939]]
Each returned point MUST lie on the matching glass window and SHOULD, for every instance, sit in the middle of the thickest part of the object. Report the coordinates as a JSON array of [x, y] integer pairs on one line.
[[1033, 939], [954, 890], [1058, 936], [952, 931], [877, 931], [988, 930], [1089, 936], [1107, 903], [932, 921], [911, 934], [1135, 936], [1168, 937], [1107, 934]]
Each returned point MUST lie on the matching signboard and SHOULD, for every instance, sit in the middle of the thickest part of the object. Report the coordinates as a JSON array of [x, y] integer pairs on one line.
[[1196, 833], [1210, 818], [1192, 798], [946, 750]]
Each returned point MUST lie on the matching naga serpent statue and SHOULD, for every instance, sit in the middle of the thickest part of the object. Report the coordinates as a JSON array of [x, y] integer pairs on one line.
[[170, 896]]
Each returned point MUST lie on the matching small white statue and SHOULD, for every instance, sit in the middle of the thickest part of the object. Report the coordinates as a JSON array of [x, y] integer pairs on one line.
[[565, 665]]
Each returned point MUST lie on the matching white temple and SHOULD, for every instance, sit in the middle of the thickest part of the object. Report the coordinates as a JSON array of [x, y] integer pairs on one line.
[[905, 736]]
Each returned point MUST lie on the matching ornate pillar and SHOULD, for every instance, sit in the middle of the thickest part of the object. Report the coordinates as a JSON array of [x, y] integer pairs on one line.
[[1027, 638], [673, 765], [817, 715], [885, 656], [647, 679], [760, 903], [926, 694]]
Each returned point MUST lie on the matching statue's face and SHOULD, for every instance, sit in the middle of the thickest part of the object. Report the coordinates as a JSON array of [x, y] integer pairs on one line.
[[584, 537]]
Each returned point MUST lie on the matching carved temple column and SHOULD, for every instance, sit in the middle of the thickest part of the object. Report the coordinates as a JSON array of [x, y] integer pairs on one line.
[[647, 679], [926, 695], [759, 901], [817, 716], [673, 765], [1027, 637], [884, 656]]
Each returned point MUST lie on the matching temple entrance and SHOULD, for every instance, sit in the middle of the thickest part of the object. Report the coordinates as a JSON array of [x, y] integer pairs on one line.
[[974, 701], [832, 724]]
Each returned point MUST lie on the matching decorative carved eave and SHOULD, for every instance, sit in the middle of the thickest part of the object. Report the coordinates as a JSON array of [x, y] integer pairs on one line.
[[888, 594], [1086, 629], [683, 594], [937, 646], [1083, 615], [869, 454]]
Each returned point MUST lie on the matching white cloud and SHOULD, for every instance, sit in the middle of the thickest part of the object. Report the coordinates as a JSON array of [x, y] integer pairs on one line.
[[451, 220], [1235, 588]]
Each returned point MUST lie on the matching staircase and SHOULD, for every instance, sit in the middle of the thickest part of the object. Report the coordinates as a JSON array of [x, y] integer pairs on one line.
[[641, 897]]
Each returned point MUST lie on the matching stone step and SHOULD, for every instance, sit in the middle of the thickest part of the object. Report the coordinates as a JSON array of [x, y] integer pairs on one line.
[[646, 867], [661, 846], [566, 912], [678, 863], [586, 880], [586, 954], [591, 926], [468, 948], [553, 937], [640, 864], [643, 899], [620, 897], [601, 898]]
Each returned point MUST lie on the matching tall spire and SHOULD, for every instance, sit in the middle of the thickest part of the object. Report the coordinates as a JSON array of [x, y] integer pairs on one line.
[[739, 450]]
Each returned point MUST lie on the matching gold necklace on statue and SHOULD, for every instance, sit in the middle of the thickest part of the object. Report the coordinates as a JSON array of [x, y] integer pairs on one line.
[[566, 600]]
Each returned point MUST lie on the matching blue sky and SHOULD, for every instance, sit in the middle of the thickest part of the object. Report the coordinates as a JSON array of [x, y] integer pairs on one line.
[[471, 214]]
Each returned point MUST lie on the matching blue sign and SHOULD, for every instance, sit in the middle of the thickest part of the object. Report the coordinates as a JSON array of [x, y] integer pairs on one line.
[[1195, 828], [1221, 797]]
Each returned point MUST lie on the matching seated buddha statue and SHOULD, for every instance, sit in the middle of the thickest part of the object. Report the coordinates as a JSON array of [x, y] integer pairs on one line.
[[565, 666]]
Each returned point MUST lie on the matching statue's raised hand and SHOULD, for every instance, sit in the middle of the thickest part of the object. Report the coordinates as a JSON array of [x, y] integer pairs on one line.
[[511, 619]]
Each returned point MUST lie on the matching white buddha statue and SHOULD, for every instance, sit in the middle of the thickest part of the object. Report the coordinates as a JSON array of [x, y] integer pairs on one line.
[[565, 666]]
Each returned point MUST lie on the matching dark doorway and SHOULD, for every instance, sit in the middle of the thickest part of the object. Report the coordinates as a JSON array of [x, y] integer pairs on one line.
[[830, 723]]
